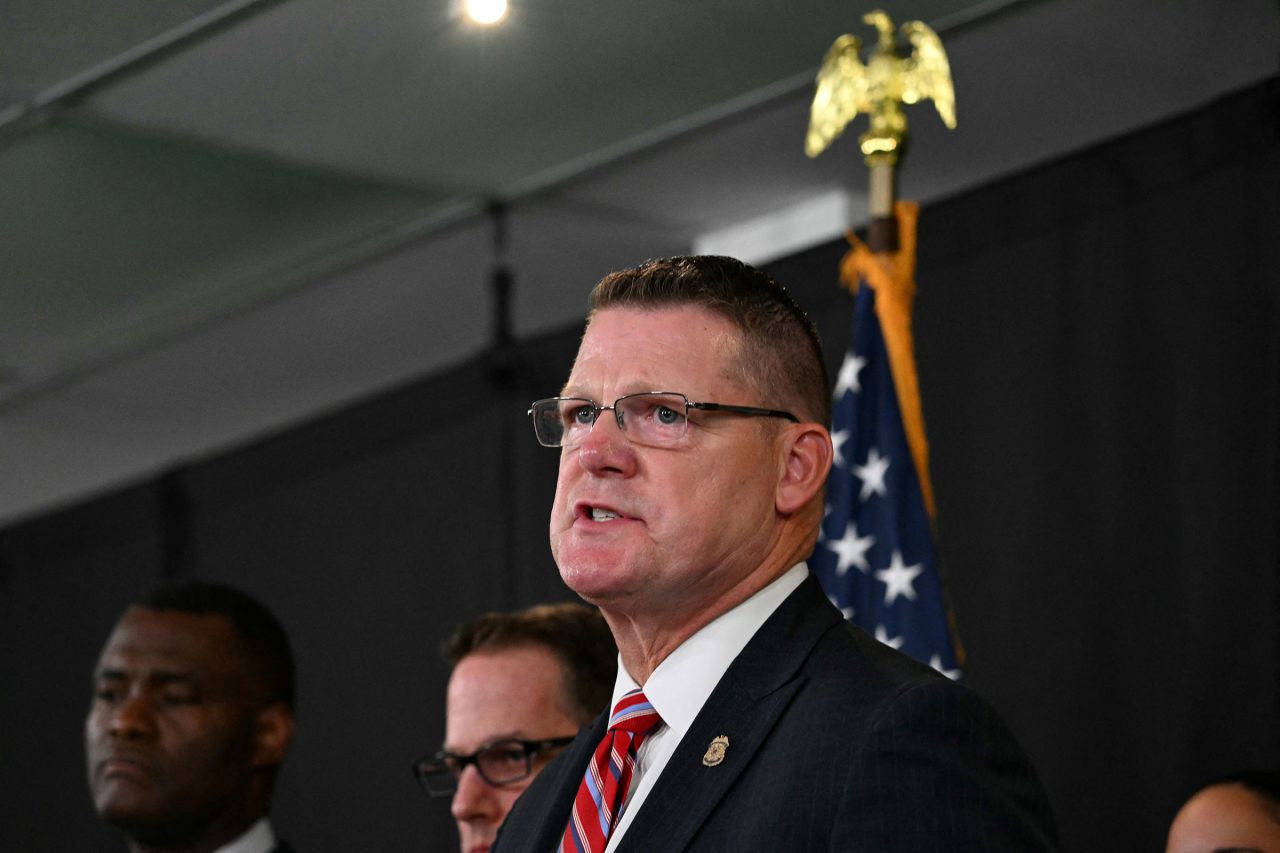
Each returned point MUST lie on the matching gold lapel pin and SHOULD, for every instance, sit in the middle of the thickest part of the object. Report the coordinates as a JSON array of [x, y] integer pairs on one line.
[[715, 751]]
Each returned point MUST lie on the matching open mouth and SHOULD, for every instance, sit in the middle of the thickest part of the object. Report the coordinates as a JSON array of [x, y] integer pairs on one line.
[[599, 514]]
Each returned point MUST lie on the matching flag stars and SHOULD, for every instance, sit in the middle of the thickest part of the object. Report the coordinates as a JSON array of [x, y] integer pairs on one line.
[[872, 474], [847, 379], [874, 522], [936, 663], [851, 550], [838, 438], [883, 636], [899, 578], [846, 612]]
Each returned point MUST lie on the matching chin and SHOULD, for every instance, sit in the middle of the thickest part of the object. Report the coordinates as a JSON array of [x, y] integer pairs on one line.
[[115, 809], [582, 580], [130, 818], [599, 580]]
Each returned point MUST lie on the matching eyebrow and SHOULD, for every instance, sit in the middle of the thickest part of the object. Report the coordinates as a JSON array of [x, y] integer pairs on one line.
[[635, 388], [489, 741], [162, 676]]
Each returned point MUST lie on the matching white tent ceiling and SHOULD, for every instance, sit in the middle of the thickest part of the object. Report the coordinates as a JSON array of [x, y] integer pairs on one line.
[[221, 218]]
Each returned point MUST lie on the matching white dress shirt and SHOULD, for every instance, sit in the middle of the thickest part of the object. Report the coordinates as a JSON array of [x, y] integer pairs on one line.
[[679, 687], [259, 838]]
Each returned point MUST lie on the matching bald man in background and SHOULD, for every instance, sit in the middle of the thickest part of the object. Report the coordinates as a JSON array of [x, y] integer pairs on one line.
[[1239, 813]]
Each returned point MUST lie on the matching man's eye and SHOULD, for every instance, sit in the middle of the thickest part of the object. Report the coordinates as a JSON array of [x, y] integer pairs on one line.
[[177, 698], [667, 416], [583, 415], [513, 755], [106, 694]]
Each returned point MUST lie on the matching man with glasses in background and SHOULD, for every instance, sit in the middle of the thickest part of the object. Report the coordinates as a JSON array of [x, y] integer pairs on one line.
[[747, 713], [522, 686]]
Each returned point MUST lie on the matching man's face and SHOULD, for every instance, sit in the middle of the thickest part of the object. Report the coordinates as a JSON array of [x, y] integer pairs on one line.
[[495, 695], [170, 732], [683, 525]]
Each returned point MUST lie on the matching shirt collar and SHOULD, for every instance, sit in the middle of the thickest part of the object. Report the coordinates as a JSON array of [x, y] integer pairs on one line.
[[259, 838], [679, 687]]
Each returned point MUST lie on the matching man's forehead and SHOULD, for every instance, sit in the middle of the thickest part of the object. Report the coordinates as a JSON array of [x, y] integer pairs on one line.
[[611, 325], [174, 640], [655, 348], [504, 693], [524, 670]]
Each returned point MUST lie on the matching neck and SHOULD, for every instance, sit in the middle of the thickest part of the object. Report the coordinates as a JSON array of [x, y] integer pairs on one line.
[[218, 834], [646, 638]]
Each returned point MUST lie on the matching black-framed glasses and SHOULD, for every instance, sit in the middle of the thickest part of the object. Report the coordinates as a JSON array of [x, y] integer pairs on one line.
[[654, 418], [501, 762]]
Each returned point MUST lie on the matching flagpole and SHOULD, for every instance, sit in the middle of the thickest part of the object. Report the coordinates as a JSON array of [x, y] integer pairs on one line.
[[875, 555], [882, 230]]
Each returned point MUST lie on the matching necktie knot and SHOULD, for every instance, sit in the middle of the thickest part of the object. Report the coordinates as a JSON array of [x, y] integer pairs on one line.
[[634, 714]]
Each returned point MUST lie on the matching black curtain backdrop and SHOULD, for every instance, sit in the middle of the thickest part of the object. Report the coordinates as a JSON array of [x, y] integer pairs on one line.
[[1099, 352]]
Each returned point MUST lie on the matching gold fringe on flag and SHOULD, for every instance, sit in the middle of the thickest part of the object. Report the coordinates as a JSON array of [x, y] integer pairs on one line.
[[893, 274]]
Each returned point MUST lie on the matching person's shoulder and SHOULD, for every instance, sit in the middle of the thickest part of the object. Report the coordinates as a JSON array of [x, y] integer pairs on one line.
[[869, 686], [849, 658], [840, 663], [907, 726]]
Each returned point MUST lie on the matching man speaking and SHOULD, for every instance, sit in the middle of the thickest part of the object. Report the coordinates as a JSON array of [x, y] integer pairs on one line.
[[748, 715]]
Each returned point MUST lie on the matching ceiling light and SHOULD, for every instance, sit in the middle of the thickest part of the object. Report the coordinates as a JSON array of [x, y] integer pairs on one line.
[[486, 12]]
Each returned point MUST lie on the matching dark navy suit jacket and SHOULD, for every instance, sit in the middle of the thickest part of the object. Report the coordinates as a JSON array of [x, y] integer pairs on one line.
[[836, 742]]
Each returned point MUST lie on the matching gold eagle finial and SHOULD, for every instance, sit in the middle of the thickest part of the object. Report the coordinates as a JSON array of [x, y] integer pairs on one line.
[[846, 86]]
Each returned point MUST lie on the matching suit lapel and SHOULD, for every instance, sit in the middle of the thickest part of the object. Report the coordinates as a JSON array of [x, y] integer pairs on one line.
[[550, 798], [744, 707]]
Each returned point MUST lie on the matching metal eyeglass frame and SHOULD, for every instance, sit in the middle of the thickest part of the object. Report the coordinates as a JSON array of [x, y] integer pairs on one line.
[[597, 409]]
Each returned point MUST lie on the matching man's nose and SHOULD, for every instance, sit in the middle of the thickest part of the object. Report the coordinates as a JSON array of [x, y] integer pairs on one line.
[[605, 450], [134, 717], [474, 797]]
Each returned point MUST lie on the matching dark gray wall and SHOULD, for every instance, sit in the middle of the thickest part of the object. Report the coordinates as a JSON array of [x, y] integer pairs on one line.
[[1099, 352]]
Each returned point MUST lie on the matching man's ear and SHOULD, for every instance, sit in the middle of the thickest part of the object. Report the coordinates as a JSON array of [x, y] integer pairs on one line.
[[806, 461], [273, 732]]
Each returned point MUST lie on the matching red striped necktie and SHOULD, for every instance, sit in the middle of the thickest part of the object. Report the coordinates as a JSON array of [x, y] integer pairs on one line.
[[598, 806]]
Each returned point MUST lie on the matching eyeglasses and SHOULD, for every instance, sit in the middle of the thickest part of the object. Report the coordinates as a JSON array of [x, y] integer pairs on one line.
[[499, 763], [654, 418]]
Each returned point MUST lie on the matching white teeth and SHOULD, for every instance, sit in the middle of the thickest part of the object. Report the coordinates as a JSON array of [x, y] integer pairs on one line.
[[598, 514]]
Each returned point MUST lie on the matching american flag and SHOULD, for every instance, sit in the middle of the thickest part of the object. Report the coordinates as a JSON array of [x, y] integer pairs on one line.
[[875, 556]]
